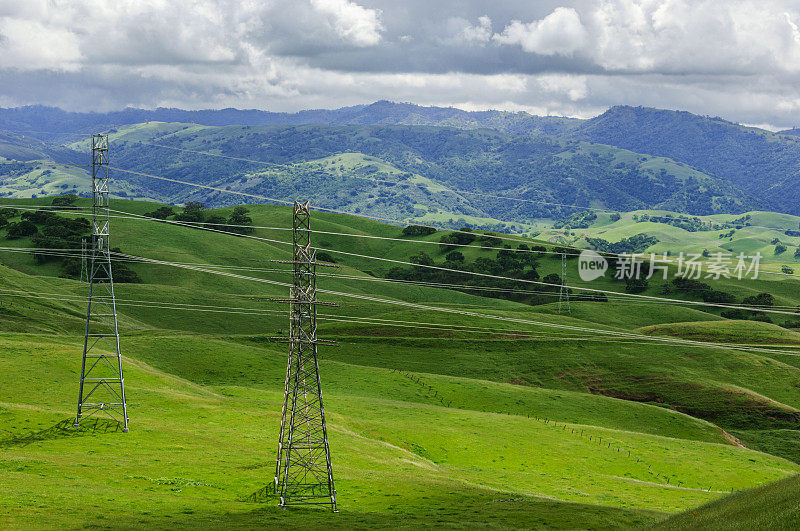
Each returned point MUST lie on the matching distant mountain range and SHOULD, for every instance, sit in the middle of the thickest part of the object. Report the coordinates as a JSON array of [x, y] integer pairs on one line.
[[430, 163]]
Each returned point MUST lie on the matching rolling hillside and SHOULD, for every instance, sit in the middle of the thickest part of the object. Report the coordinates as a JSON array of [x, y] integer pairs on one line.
[[775, 236], [536, 426], [625, 159], [762, 164], [422, 173]]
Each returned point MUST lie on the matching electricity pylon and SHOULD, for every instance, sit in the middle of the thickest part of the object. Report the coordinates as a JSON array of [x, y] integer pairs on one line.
[[102, 386], [563, 294], [303, 472]]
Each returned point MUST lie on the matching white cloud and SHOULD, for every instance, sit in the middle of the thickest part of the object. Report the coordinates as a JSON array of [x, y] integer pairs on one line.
[[681, 36], [574, 87], [481, 32], [559, 33], [352, 22], [30, 45], [739, 59]]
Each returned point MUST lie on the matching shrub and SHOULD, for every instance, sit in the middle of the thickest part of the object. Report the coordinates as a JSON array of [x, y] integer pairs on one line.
[[762, 299], [325, 256], [418, 230], [64, 200], [454, 256], [635, 285]]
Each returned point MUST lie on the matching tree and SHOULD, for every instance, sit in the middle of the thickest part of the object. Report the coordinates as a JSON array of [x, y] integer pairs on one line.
[[454, 256], [788, 270], [762, 299], [422, 258], [21, 230], [780, 248], [161, 213], [552, 278], [635, 285], [64, 200], [121, 272], [797, 253], [418, 230], [216, 222], [192, 212], [239, 217]]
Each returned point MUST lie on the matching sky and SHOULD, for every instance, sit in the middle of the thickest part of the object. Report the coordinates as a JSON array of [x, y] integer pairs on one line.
[[738, 59]]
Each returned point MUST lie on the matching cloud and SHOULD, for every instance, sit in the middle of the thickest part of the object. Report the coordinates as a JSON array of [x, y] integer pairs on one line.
[[739, 59], [702, 36], [31, 45], [559, 33], [351, 21], [480, 32]]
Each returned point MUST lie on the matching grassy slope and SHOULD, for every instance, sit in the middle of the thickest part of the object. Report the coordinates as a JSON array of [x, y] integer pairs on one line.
[[773, 506], [176, 465], [174, 352], [765, 227]]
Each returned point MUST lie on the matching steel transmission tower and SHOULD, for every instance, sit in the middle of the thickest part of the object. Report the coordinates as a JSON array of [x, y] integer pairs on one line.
[[563, 294], [102, 386], [303, 472]]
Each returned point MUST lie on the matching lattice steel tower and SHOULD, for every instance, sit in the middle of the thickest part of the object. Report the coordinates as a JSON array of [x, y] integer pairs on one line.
[[303, 472], [102, 386], [563, 294]]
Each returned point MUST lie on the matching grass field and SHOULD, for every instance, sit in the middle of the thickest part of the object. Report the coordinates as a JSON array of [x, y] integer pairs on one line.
[[534, 426]]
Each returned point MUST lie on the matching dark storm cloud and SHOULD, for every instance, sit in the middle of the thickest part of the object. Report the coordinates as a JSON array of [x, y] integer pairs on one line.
[[739, 59]]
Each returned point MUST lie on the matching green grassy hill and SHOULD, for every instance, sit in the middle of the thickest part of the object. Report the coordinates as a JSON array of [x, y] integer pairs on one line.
[[773, 506], [749, 233], [535, 426]]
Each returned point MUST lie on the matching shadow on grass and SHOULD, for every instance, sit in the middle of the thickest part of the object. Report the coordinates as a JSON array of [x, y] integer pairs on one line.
[[263, 495], [64, 429]]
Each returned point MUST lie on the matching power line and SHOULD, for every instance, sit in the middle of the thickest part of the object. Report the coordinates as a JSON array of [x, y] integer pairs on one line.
[[461, 312], [451, 190], [486, 275], [74, 253]]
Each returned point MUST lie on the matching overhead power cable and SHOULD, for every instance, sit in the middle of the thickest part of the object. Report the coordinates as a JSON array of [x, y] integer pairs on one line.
[[266, 198], [487, 275], [75, 253], [460, 312], [451, 190]]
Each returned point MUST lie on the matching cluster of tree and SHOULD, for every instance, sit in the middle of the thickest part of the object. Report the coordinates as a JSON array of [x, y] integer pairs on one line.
[[578, 220], [701, 289], [760, 301], [453, 240], [5, 215], [693, 224], [195, 212], [48, 230], [517, 263], [630, 245], [66, 202]]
